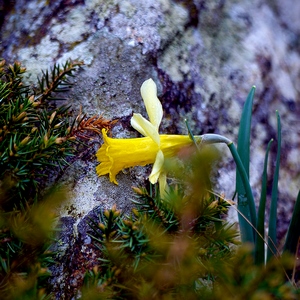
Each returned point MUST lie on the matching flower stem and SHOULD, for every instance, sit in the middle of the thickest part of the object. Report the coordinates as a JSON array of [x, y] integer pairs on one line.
[[216, 138]]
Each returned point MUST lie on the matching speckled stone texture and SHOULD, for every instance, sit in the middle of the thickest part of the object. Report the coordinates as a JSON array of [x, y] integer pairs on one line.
[[204, 56]]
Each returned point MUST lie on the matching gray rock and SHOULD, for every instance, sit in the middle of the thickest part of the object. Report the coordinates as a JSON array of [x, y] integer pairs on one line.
[[204, 55]]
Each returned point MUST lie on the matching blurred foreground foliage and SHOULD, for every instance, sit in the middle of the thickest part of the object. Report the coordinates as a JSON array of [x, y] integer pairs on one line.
[[26, 236], [180, 247]]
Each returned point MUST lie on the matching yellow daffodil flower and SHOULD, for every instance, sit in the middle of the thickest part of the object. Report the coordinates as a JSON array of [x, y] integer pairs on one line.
[[118, 154]]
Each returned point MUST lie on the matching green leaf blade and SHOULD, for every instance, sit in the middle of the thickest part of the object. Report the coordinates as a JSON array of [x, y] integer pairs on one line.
[[246, 203], [260, 242], [293, 233], [272, 233]]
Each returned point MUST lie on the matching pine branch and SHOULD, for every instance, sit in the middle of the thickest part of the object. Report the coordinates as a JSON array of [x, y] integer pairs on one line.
[[57, 80]]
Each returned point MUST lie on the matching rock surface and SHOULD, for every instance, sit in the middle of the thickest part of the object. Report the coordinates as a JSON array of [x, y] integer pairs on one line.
[[204, 57]]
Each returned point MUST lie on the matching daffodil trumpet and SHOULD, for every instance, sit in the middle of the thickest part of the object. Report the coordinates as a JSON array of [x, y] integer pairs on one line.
[[118, 154]]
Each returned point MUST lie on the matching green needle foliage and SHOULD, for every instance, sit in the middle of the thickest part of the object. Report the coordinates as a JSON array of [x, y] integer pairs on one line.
[[34, 133], [26, 237], [36, 138]]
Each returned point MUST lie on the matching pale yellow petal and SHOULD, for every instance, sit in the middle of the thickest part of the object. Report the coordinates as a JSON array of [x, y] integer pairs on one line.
[[152, 103], [136, 124], [143, 126], [157, 167]]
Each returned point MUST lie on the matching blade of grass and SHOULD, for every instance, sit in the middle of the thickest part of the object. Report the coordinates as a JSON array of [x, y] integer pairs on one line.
[[294, 229], [260, 243], [274, 196], [245, 205]]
